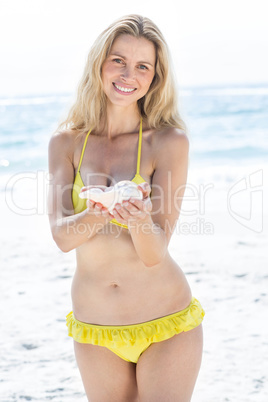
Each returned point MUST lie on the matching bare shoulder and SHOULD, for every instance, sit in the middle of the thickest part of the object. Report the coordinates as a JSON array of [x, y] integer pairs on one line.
[[170, 142], [63, 142], [64, 138]]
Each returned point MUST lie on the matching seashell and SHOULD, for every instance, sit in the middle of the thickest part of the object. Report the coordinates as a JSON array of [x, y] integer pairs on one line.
[[121, 191]]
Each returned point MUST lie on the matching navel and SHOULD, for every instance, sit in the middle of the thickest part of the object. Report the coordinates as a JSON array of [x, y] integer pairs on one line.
[[114, 284]]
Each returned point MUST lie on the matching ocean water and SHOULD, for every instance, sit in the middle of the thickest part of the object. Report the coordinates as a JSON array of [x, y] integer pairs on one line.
[[26, 124], [227, 126]]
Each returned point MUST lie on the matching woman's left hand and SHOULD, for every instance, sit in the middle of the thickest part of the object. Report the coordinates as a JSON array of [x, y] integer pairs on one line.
[[133, 209]]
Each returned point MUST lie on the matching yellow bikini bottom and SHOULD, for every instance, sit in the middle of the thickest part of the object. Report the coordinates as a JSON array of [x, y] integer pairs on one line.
[[130, 341]]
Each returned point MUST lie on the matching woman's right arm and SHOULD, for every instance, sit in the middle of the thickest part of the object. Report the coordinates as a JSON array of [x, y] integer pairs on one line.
[[68, 230]]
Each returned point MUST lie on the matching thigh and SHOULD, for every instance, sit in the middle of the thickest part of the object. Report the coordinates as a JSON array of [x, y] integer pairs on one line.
[[106, 377], [167, 370]]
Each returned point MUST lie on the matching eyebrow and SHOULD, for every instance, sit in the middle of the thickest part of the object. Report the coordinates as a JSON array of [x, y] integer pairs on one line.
[[123, 57]]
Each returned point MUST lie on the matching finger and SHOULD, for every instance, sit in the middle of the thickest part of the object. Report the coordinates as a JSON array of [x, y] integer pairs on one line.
[[130, 208], [148, 205], [97, 209], [143, 205], [105, 212], [138, 204], [120, 210], [117, 216], [90, 204], [145, 188]]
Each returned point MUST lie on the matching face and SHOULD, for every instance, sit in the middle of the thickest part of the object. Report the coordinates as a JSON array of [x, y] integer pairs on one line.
[[128, 70]]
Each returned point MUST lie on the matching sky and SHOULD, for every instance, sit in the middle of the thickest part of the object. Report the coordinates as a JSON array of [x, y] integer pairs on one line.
[[44, 43]]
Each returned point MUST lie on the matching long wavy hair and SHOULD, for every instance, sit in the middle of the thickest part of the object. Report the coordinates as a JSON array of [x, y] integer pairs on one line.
[[159, 107]]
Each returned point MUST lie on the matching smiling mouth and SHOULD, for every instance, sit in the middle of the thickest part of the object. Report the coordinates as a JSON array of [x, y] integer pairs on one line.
[[123, 89]]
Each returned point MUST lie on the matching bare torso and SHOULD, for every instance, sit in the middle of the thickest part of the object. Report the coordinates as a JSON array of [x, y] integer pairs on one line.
[[111, 285]]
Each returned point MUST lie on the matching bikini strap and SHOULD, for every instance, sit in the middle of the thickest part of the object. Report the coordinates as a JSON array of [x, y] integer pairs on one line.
[[83, 150], [139, 149]]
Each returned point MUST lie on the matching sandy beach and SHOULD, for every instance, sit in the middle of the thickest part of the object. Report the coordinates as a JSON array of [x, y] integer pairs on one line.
[[226, 266]]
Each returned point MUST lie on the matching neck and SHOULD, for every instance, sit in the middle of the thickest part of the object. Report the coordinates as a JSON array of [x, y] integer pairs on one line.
[[120, 120]]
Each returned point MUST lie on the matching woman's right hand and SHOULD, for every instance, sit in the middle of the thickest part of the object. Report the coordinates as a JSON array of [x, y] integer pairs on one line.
[[98, 209]]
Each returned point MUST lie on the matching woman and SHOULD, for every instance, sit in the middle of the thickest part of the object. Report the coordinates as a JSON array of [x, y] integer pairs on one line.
[[136, 327]]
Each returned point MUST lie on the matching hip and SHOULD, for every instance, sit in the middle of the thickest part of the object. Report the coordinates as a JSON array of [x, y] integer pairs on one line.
[[130, 300], [130, 341]]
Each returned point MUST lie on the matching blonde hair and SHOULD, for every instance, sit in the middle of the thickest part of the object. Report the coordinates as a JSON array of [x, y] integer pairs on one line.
[[158, 107]]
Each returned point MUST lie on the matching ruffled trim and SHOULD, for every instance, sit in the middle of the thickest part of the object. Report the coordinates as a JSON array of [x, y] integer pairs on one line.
[[127, 335]]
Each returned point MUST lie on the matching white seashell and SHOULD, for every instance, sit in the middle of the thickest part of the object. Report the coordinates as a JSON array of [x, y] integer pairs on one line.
[[122, 191], [97, 190]]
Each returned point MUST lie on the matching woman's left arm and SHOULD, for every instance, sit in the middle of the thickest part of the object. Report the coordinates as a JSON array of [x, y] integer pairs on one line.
[[152, 222]]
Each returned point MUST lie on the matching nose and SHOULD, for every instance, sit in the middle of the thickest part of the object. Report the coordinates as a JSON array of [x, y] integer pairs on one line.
[[128, 74]]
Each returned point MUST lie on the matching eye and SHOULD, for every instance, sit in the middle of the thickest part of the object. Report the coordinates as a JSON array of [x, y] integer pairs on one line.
[[143, 67], [119, 61]]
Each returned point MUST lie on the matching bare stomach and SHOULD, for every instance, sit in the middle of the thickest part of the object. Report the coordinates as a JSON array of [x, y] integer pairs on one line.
[[116, 288]]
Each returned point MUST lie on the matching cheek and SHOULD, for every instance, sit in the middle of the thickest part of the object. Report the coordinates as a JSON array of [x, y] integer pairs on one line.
[[148, 80], [107, 71], [152, 77]]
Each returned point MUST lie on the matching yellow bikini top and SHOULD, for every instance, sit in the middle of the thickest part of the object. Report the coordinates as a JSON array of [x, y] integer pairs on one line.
[[79, 204]]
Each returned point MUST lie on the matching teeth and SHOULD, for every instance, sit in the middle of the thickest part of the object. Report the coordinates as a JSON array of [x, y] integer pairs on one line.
[[124, 89]]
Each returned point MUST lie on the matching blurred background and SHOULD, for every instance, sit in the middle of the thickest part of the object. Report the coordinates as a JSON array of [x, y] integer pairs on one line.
[[220, 58], [44, 44]]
